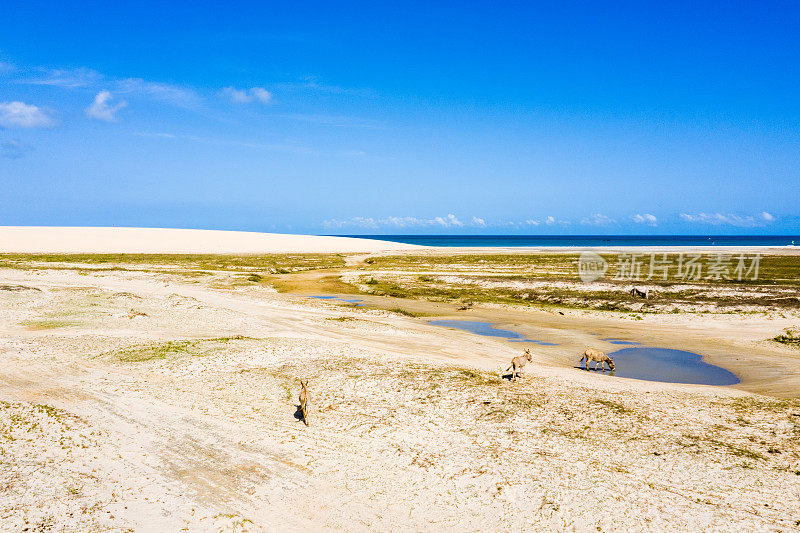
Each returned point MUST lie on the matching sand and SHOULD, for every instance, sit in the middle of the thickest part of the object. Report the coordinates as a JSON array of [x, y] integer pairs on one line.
[[144, 401], [54, 240]]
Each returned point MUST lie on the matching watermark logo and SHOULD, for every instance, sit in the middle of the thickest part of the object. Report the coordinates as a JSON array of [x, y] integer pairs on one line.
[[591, 267], [663, 266]]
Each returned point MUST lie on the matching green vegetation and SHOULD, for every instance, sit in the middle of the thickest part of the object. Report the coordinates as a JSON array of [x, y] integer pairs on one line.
[[181, 264], [163, 350], [46, 323], [551, 279], [405, 312], [773, 269], [613, 406], [790, 337]]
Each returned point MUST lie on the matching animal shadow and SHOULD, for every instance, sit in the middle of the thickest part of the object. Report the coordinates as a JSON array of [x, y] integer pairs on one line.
[[298, 415]]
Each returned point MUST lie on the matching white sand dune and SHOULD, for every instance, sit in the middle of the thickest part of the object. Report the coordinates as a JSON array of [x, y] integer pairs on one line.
[[41, 239]]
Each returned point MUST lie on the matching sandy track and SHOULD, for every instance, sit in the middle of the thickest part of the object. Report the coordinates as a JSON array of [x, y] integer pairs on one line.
[[206, 436]]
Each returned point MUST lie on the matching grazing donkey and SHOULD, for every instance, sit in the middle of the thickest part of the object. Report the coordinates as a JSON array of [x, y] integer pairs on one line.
[[593, 354], [305, 400], [518, 364]]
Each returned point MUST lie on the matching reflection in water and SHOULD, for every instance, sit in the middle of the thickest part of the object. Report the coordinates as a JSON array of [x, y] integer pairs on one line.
[[670, 366]]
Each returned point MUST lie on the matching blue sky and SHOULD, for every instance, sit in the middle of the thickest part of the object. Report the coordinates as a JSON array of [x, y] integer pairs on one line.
[[345, 117]]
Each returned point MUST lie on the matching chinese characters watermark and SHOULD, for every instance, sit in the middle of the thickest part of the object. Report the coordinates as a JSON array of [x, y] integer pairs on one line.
[[664, 266]]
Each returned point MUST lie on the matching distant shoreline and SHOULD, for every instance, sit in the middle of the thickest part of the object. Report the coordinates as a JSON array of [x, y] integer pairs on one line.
[[587, 242]]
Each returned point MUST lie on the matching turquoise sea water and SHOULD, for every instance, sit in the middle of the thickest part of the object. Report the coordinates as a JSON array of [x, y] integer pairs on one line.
[[588, 240]]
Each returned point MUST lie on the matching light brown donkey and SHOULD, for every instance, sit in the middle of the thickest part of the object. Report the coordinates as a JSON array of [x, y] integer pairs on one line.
[[593, 354], [305, 400], [518, 364]]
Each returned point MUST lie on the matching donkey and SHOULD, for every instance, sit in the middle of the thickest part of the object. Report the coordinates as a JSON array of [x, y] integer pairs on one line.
[[518, 364], [305, 400], [636, 292], [593, 354]]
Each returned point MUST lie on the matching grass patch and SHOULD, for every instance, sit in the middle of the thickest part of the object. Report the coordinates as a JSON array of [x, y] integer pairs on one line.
[[191, 265], [613, 406], [163, 350], [43, 324], [790, 337], [405, 312], [151, 352]]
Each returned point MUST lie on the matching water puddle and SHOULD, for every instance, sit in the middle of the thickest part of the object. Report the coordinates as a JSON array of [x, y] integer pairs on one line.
[[637, 362], [669, 366], [348, 300], [487, 330], [620, 341]]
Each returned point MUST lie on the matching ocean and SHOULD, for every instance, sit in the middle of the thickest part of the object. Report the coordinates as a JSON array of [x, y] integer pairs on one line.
[[588, 241]]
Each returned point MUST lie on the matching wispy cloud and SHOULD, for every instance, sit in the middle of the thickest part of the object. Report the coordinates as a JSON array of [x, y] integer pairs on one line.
[[448, 221], [171, 94], [316, 85], [597, 219], [86, 78], [552, 221], [102, 109], [246, 96], [727, 219], [478, 222], [68, 78], [646, 218], [22, 115], [13, 149]]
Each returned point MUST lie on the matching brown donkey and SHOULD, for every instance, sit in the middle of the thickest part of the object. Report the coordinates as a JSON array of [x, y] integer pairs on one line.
[[305, 400], [518, 364]]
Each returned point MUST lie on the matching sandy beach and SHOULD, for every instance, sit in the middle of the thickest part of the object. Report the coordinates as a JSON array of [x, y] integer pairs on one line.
[[153, 399]]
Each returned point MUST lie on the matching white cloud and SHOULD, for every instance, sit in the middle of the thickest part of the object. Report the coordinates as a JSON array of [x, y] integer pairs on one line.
[[449, 221], [597, 219], [727, 219], [646, 218], [532, 222], [68, 78], [165, 92], [246, 96], [550, 220], [476, 221], [101, 109], [21, 115], [13, 149]]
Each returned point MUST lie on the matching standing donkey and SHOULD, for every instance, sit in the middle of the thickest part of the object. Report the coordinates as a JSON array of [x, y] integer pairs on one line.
[[518, 364], [593, 354], [305, 400]]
